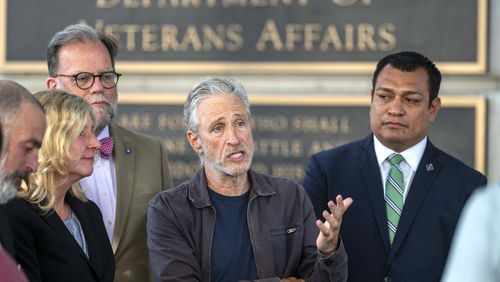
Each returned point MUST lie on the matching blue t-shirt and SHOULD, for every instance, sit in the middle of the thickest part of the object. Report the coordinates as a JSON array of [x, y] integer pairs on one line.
[[232, 255]]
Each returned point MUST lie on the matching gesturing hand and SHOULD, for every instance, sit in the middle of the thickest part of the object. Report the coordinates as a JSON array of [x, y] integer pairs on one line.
[[328, 238]]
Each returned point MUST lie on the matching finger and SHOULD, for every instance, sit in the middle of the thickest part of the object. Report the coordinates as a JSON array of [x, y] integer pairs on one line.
[[347, 203], [340, 201], [337, 210], [322, 228], [341, 207], [330, 221]]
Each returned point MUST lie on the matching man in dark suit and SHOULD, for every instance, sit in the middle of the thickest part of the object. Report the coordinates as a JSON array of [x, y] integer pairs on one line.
[[408, 194], [8, 267], [133, 167], [23, 123]]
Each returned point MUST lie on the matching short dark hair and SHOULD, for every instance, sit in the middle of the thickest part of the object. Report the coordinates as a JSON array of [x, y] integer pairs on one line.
[[409, 61], [81, 33]]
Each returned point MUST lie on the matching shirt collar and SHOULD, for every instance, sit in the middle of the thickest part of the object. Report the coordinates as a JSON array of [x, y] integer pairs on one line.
[[412, 155], [104, 133]]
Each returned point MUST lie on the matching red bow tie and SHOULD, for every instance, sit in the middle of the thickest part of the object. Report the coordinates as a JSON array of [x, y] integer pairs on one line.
[[106, 147]]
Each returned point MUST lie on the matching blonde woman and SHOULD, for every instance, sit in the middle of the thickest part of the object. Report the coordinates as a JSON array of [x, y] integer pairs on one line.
[[59, 235]]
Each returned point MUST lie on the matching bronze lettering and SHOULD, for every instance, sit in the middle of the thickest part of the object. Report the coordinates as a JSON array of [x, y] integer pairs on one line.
[[169, 38], [331, 36], [229, 3], [191, 38], [345, 128], [107, 4], [213, 38], [292, 35], [132, 4], [170, 122], [320, 124], [291, 171], [366, 32], [269, 35], [235, 39], [349, 37], [387, 40], [136, 120], [150, 38], [347, 3], [279, 147], [311, 36], [270, 123], [177, 146], [260, 167], [321, 145], [130, 34]]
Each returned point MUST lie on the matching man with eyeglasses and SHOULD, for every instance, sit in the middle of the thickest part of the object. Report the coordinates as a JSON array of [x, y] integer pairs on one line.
[[133, 167]]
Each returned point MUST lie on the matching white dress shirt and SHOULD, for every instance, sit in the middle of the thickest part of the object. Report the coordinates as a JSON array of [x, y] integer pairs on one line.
[[100, 187], [409, 166]]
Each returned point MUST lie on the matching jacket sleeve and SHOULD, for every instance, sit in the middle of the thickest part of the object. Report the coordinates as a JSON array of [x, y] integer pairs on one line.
[[331, 268], [171, 257], [24, 239]]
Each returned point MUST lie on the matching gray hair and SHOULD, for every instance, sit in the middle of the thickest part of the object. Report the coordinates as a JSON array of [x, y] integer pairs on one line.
[[12, 96], [209, 87], [81, 33], [7, 189]]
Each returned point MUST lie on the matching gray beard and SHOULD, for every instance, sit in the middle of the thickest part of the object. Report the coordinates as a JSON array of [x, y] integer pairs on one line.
[[7, 189], [108, 117], [219, 166]]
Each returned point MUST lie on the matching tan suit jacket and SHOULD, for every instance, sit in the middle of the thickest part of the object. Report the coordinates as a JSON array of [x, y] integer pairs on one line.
[[142, 171]]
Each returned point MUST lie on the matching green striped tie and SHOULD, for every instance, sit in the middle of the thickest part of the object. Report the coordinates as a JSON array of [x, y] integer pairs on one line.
[[394, 190]]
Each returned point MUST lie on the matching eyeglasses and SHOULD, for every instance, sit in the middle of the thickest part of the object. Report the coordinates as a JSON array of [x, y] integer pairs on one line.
[[85, 80]]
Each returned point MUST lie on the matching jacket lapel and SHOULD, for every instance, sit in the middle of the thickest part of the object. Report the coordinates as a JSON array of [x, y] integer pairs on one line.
[[87, 226], [370, 173], [427, 171], [53, 220], [123, 154]]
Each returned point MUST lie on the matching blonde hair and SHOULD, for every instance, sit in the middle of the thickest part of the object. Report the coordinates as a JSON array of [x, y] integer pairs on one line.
[[66, 116]]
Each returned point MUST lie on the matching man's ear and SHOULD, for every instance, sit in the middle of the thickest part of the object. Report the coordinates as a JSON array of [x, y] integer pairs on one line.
[[434, 108], [51, 82], [194, 141]]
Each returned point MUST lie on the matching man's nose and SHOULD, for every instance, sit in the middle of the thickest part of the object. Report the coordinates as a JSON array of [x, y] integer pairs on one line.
[[32, 162], [97, 86], [232, 137], [396, 107]]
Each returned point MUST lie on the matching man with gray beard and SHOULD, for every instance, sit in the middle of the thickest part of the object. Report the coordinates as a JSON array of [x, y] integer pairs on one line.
[[9, 271], [133, 167], [23, 121], [230, 223]]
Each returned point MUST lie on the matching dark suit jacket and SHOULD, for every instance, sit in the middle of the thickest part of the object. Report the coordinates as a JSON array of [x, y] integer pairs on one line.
[[439, 189], [6, 239], [47, 251]]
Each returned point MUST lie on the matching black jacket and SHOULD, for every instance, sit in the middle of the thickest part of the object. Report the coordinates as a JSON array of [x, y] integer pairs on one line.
[[47, 251]]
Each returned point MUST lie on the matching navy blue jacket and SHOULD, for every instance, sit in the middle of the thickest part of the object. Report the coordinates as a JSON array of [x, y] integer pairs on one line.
[[438, 192]]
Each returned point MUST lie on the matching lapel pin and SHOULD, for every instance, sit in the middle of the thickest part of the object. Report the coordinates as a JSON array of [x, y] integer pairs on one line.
[[128, 150], [429, 167]]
